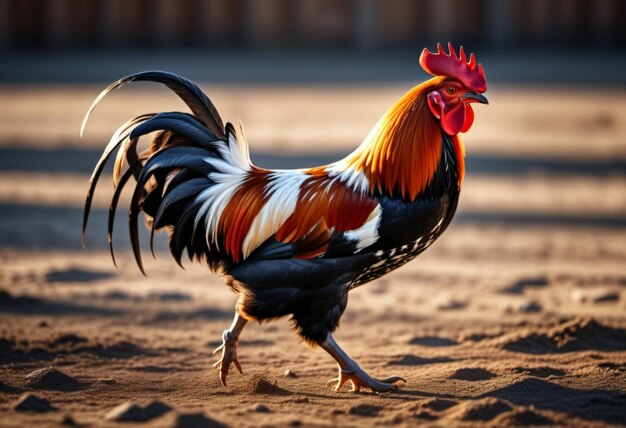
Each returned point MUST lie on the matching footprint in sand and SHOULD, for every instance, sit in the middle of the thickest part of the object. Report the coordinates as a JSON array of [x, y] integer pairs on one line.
[[432, 341], [472, 374], [414, 360], [542, 372]]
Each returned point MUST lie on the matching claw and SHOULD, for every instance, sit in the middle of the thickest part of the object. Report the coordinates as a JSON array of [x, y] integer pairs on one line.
[[340, 381], [392, 379], [229, 356], [360, 379], [236, 363]]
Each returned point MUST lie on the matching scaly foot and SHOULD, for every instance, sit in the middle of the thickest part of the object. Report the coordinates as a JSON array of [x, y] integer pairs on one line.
[[360, 379], [229, 355]]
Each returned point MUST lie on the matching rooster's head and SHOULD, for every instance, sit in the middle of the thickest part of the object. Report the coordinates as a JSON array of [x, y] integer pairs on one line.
[[463, 83]]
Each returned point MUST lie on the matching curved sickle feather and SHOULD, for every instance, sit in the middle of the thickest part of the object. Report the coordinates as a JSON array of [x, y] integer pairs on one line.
[[182, 123], [118, 138], [175, 241], [126, 155], [189, 92], [114, 201]]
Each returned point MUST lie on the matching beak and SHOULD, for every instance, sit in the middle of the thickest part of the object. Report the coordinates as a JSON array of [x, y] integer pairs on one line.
[[474, 97]]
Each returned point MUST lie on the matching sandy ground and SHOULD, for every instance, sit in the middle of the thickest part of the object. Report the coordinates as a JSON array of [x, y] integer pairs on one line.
[[516, 316]]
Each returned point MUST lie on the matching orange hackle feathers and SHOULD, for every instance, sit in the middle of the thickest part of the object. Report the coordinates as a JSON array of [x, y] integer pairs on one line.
[[403, 150]]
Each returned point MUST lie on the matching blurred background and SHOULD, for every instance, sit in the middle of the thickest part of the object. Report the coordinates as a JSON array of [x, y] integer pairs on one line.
[[326, 24], [288, 69]]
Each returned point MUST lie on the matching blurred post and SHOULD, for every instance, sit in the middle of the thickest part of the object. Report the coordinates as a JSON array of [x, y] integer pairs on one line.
[[211, 27], [6, 40], [540, 20], [110, 28], [500, 25], [365, 27], [441, 19], [262, 22], [602, 14], [361, 25], [57, 24], [164, 31]]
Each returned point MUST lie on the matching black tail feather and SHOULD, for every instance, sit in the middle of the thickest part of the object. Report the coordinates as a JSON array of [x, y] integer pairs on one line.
[[196, 100], [122, 135], [114, 201], [171, 173]]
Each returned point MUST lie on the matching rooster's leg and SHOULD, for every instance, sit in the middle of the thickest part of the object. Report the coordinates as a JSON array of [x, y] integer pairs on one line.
[[349, 370], [228, 347]]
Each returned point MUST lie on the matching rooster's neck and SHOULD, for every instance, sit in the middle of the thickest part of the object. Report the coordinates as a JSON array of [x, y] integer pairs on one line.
[[402, 152]]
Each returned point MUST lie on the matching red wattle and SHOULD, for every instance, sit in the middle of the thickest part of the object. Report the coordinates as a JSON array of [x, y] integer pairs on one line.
[[469, 118], [453, 119]]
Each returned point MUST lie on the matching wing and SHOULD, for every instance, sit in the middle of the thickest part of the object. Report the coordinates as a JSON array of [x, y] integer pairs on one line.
[[299, 230], [294, 214]]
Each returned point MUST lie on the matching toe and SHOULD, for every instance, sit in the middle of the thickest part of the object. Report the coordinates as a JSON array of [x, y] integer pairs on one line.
[[392, 379]]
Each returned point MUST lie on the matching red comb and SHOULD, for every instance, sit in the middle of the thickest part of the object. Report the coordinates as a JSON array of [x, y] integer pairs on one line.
[[448, 64]]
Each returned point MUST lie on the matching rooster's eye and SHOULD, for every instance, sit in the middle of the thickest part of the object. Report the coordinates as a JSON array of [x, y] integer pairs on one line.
[[451, 89]]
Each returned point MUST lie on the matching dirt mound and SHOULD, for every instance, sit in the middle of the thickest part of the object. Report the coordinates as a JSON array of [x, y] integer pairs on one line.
[[31, 403], [260, 385], [578, 334], [132, 412], [51, 378], [484, 409], [195, 420], [523, 417], [437, 404]]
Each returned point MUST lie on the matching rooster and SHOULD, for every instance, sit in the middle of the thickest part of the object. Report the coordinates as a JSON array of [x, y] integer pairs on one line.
[[295, 242]]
